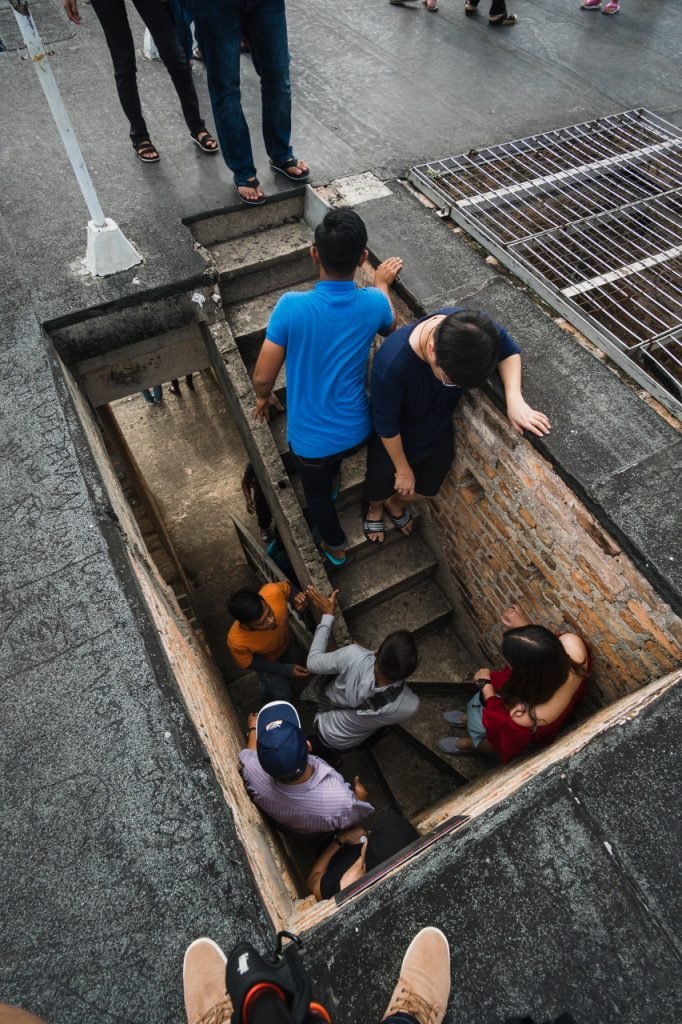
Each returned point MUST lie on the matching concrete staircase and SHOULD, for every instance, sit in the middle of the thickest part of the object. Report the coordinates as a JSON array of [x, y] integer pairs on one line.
[[382, 587]]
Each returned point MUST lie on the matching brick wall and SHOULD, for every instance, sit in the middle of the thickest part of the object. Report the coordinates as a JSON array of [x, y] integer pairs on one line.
[[512, 531]]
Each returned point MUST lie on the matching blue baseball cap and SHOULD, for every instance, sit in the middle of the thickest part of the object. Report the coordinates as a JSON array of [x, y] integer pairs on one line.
[[280, 741]]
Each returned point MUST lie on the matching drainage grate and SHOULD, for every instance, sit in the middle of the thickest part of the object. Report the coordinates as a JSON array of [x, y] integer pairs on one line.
[[591, 217]]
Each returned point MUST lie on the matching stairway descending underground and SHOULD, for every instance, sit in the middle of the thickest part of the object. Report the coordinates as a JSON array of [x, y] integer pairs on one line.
[[382, 587]]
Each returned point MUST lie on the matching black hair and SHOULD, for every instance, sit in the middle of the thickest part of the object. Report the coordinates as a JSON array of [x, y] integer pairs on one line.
[[397, 655], [245, 606], [340, 240], [539, 664], [467, 347]]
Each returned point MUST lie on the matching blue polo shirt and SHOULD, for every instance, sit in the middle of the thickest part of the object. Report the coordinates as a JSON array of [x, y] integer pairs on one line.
[[327, 334], [407, 398]]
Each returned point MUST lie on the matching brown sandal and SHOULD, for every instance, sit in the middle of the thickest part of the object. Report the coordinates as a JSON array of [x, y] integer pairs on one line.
[[146, 151]]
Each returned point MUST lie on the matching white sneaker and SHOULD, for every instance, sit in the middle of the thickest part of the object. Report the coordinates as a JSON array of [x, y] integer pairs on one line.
[[423, 987]]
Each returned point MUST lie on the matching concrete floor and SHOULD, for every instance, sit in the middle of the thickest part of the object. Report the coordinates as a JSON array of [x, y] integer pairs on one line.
[[192, 458]]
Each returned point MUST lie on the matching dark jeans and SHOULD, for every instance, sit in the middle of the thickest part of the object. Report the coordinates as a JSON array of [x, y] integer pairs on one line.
[[183, 20], [317, 477], [219, 25], [275, 686], [158, 19]]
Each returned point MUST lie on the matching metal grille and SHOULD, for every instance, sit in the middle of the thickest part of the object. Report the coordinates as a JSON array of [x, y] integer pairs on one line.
[[591, 217]]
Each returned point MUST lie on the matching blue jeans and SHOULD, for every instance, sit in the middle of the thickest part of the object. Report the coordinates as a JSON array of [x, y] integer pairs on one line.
[[219, 26]]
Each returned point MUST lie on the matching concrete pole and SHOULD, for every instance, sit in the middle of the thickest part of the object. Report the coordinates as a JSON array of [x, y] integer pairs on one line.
[[108, 250]]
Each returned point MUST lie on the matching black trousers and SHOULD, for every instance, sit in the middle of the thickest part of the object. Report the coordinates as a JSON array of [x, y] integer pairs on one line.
[[157, 17]]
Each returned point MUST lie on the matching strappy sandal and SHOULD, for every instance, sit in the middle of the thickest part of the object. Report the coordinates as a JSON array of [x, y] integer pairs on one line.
[[503, 19], [471, 7], [146, 151], [253, 183], [400, 522], [431, 5], [371, 527], [284, 169], [203, 140]]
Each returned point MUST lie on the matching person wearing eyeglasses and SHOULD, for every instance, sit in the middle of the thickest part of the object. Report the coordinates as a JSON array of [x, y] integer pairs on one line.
[[419, 375]]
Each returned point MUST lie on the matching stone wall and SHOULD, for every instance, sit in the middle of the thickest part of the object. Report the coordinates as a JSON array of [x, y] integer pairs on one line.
[[512, 531]]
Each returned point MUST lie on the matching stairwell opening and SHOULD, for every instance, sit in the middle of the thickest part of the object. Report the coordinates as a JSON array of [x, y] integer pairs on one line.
[[470, 556]]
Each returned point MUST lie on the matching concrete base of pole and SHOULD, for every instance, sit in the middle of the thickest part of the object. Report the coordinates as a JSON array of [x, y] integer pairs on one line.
[[109, 251]]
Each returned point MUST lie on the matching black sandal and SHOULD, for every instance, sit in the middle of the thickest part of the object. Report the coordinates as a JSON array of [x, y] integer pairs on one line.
[[471, 7], [146, 151], [253, 183], [284, 169], [202, 138], [503, 19]]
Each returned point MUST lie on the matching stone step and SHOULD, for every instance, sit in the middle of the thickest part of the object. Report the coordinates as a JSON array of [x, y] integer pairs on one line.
[[414, 780], [239, 220], [426, 727], [249, 319], [350, 517], [445, 665], [419, 609], [393, 570], [259, 263]]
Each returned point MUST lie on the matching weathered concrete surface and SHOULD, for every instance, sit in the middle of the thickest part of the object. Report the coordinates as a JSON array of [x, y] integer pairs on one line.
[[565, 899], [116, 850]]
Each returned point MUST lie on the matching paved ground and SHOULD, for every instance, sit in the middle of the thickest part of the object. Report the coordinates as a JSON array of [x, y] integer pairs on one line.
[[116, 847]]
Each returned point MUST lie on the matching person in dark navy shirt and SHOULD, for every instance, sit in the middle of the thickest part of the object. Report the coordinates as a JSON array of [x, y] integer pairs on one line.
[[419, 375]]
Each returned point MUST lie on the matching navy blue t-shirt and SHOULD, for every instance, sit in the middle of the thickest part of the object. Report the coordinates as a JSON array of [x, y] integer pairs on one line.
[[407, 398]]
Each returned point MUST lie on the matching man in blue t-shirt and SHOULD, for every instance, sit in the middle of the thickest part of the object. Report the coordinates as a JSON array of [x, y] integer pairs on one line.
[[325, 335], [418, 377]]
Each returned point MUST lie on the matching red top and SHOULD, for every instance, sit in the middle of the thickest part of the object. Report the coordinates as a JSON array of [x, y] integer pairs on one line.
[[506, 736]]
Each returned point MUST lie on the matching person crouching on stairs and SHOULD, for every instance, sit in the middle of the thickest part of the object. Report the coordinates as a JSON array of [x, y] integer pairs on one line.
[[259, 637], [369, 691]]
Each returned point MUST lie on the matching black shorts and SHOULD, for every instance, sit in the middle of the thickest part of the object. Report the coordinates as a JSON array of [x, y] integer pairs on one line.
[[429, 470]]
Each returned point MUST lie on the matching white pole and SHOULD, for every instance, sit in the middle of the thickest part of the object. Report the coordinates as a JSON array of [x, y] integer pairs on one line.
[[108, 250]]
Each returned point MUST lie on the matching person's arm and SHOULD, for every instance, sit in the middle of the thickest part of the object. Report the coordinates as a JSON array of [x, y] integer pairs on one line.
[[520, 414], [404, 477], [268, 365], [71, 10], [553, 708], [251, 732], [318, 659], [247, 490], [350, 836], [384, 276]]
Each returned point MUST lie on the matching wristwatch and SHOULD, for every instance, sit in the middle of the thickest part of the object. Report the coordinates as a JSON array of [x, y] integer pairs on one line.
[[339, 842]]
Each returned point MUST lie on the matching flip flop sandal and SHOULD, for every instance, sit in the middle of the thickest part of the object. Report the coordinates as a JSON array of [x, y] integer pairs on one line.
[[370, 526], [471, 7], [400, 522], [503, 19], [590, 5], [431, 5], [249, 183], [146, 147], [611, 8], [332, 558], [284, 169], [202, 140]]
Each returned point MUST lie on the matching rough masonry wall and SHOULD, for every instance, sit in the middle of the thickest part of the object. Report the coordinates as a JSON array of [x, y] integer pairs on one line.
[[201, 687], [512, 531]]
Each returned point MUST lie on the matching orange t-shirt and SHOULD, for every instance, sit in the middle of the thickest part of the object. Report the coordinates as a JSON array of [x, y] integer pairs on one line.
[[269, 643]]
